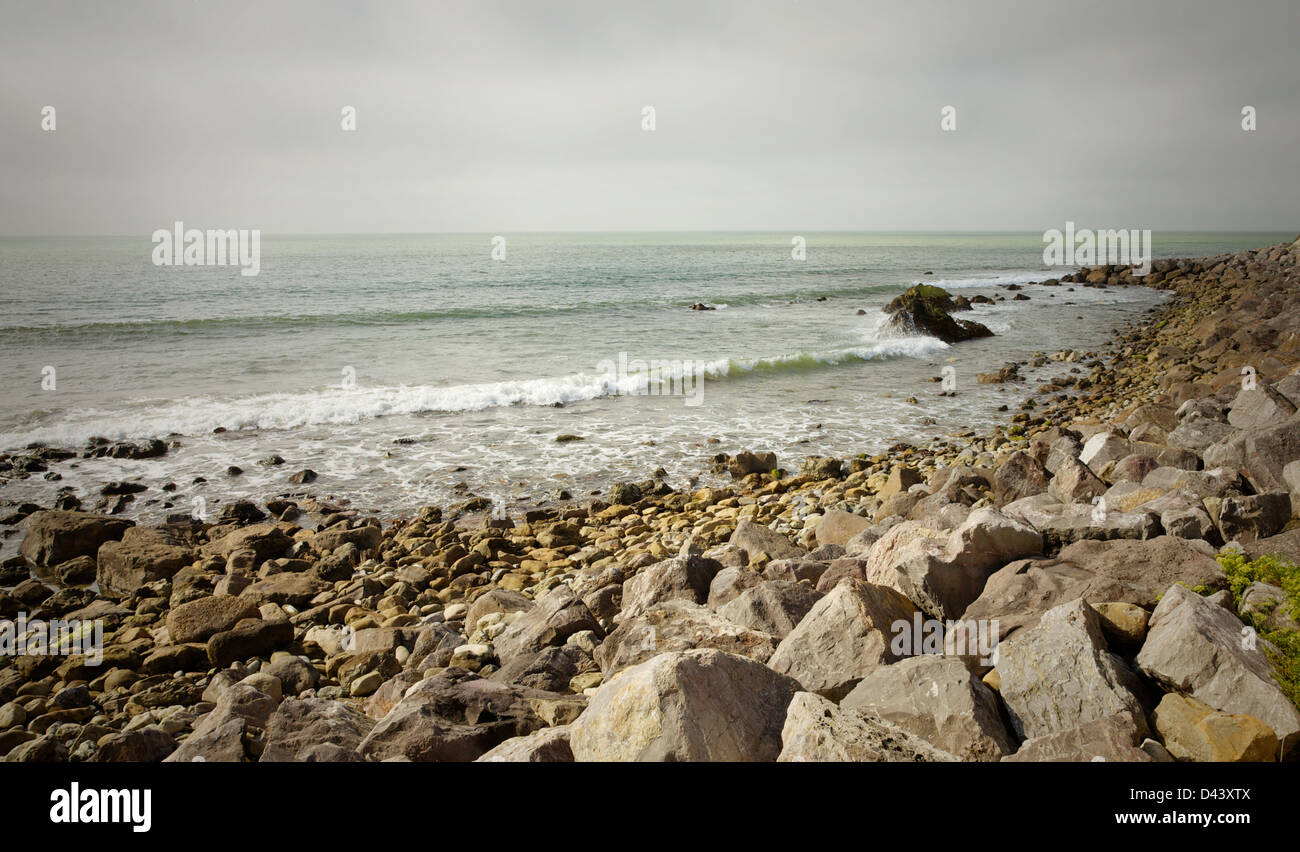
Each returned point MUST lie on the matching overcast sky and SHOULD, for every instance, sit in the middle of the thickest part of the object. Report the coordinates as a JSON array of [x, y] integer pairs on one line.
[[796, 115]]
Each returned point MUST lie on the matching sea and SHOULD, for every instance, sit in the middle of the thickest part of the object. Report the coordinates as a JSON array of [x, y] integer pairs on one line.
[[407, 370]]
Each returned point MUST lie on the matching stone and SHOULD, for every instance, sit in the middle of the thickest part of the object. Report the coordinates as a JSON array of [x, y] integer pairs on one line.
[[1122, 623], [816, 730], [678, 626], [939, 700], [219, 736], [200, 619], [558, 615], [755, 539], [142, 555], [1075, 482], [266, 541], [55, 536], [1268, 602], [900, 479], [287, 587], [1103, 448], [1196, 648], [686, 706], [314, 730], [843, 637], [1060, 675], [1020, 476], [497, 600], [1193, 730], [147, 745], [1247, 517], [248, 638], [773, 607], [549, 745], [685, 578], [1260, 407], [729, 583], [1110, 739], [839, 527]]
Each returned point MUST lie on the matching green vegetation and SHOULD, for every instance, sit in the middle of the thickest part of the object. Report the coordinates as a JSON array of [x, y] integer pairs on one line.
[[1275, 571]]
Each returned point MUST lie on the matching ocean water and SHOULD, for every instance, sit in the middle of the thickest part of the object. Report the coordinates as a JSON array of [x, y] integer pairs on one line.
[[411, 369]]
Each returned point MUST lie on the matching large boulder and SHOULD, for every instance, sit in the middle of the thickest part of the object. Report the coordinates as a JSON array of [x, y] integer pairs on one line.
[[1197, 648], [1193, 730], [772, 606], [549, 745], [55, 536], [680, 578], [314, 730], [686, 706], [679, 626], [925, 309], [940, 700], [1060, 674], [559, 614], [200, 619], [1110, 739], [843, 637], [267, 541], [143, 555], [816, 730], [839, 527], [755, 539], [222, 734]]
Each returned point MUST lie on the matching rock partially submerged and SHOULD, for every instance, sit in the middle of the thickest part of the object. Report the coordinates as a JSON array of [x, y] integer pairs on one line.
[[926, 309]]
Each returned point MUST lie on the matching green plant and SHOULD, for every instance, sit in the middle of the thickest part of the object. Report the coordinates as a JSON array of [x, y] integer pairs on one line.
[[1282, 646]]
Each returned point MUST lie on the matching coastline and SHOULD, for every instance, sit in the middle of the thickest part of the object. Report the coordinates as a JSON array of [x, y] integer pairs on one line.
[[767, 580]]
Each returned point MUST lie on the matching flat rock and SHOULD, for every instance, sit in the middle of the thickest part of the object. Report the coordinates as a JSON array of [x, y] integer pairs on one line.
[[816, 730]]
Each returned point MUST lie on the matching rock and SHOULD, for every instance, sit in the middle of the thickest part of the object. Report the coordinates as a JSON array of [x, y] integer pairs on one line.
[[219, 736], [1193, 730], [729, 583], [55, 536], [143, 555], [147, 745], [624, 494], [686, 706], [1122, 623], [1075, 482], [744, 463], [200, 619], [1260, 453], [1268, 602], [549, 745], [314, 730], [557, 616], [680, 578], [1260, 407], [1254, 516], [1196, 648], [678, 626], [266, 541], [1059, 675], [839, 527], [901, 478], [1103, 448], [843, 637], [924, 309], [496, 600], [1062, 523], [816, 730], [1018, 477], [286, 588], [1110, 739], [772, 607], [249, 638], [939, 700], [755, 539]]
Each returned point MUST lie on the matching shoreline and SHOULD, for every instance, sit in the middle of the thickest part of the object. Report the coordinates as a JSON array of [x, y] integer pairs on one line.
[[548, 604]]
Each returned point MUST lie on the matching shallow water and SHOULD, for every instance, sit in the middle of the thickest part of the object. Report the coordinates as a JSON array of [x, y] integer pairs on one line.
[[343, 345]]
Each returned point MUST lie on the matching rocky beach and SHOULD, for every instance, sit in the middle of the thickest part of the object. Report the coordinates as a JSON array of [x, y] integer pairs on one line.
[[1107, 575]]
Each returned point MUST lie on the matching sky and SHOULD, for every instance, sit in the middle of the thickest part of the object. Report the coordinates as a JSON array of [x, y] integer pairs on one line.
[[499, 117]]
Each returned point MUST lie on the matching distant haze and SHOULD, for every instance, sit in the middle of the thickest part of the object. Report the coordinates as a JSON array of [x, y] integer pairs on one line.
[[503, 117]]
